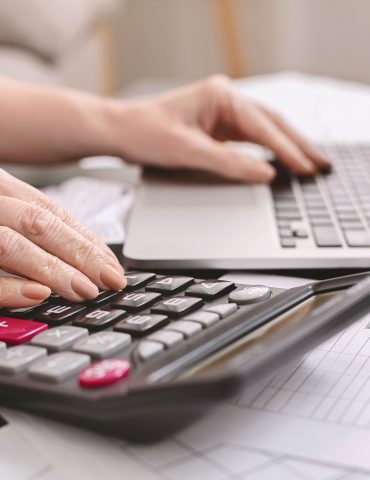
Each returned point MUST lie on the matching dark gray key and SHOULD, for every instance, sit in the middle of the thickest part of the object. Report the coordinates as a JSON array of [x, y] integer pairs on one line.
[[103, 298], [209, 289], [169, 285], [140, 325], [58, 314], [138, 279], [99, 319], [135, 301], [326, 236], [177, 306], [357, 238]]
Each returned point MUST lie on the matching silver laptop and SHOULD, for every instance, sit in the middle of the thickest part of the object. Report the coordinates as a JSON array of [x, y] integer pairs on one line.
[[186, 221]]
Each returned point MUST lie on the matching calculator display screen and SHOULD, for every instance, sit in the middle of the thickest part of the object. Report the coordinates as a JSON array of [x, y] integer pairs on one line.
[[256, 340]]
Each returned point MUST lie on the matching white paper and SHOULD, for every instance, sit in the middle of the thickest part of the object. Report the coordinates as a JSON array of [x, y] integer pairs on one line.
[[100, 205]]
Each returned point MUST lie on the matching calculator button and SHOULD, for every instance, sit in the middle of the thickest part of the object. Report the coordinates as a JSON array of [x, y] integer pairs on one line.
[[147, 349], [205, 319], [58, 366], [25, 312], [167, 337], [252, 294], [138, 279], [209, 289], [104, 373], [103, 298], [2, 346], [103, 344], [99, 319], [58, 314], [136, 300], [139, 325], [224, 310], [15, 331], [169, 285], [16, 359], [59, 338], [177, 306], [187, 328]]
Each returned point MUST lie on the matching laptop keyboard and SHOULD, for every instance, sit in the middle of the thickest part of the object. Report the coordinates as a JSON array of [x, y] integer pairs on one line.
[[333, 208]]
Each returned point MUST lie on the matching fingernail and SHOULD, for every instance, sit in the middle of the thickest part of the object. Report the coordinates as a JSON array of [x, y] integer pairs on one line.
[[112, 278], [83, 287], [34, 291], [267, 172]]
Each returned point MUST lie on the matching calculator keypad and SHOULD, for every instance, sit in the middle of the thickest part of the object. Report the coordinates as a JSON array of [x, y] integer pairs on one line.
[[119, 331]]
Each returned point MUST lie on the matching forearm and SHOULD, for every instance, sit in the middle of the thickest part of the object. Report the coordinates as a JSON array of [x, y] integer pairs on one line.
[[51, 125]]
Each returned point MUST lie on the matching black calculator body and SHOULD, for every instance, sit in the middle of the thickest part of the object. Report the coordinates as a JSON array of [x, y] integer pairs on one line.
[[142, 363]]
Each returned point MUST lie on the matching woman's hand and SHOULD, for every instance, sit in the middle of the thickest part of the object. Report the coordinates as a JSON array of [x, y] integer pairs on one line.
[[186, 128], [40, 241]]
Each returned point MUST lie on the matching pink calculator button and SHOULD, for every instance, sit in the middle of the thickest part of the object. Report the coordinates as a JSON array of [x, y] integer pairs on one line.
[[15, 331], [104, 373]]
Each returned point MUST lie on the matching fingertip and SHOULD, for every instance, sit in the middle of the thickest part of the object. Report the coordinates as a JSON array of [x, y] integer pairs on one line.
[[35, 291]]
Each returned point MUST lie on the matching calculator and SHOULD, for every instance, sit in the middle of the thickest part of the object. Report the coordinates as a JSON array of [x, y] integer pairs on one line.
[[142, 363]]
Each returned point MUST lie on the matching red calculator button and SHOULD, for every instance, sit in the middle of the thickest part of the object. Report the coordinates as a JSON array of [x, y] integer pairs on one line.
[[15, 331], [104, 373]]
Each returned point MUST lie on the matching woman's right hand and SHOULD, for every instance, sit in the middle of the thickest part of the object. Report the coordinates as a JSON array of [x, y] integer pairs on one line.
[[43, 244]]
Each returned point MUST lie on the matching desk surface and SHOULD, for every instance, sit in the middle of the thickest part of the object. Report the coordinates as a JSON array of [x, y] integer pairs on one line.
[[309, 421]]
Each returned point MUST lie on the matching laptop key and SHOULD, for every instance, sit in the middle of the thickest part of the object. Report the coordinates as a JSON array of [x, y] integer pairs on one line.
[[169, 285], [326, 236], [357, 238]]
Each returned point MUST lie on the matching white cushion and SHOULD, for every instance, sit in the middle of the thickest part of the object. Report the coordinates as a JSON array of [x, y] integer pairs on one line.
[[49, 26]]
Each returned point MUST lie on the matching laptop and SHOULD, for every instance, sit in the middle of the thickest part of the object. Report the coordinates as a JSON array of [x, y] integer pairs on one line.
[[186, 221]]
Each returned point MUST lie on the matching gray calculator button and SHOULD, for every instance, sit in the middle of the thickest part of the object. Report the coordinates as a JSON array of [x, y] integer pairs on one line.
[[16, 359], [189, 329], [224, 309], [58, 366], [169, 338], [2, 346], [206, 319], [252, 294], [103, 344], [59, 338], [147, 349]]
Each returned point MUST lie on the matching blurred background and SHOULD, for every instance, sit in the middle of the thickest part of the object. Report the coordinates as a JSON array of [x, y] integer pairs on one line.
[[126, 47]]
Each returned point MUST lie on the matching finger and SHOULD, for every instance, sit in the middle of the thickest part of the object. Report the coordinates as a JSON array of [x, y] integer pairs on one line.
[[259, 128], [54, 236], [19, 293], [212, 156], [13, 187], [307, 148], [22, 257]]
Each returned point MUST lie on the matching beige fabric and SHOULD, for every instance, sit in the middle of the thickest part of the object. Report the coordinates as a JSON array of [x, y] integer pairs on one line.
[[49, 27]]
